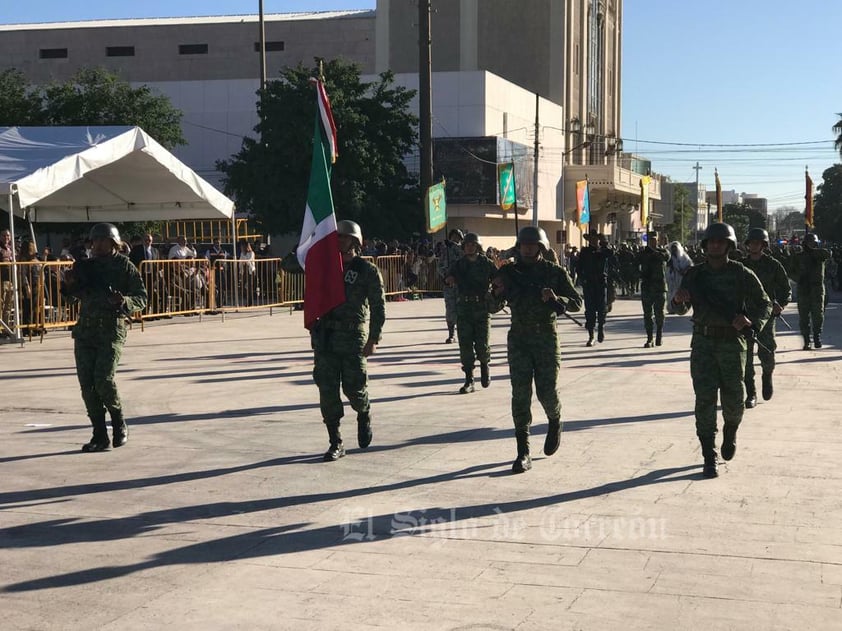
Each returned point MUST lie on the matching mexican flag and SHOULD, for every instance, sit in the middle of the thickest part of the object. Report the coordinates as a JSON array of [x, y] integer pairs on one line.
[[318, 247]]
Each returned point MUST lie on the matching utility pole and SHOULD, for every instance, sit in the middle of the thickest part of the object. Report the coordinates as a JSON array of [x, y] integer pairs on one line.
[[535, 167], [425, 101], [682, 220], [697, 168]]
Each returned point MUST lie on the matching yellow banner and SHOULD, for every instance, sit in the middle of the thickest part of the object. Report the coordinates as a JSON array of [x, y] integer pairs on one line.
[[644, 201]]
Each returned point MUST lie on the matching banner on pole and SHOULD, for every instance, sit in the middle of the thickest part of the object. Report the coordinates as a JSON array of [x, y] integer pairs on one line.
[[583, 202], [436, 207], [506, 185]]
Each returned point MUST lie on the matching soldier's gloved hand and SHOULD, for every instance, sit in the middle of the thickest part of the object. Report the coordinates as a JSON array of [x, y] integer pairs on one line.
[[682, 295], [369, 348], [740, 322], [116, 298], [776, 309], [498, 287], [548, 295]]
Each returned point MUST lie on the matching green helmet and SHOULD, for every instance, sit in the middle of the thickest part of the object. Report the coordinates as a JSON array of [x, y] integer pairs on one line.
[[457, 232], [472, 237], [352, 229], [533, 234], [810, 240], [719, 231], [105, 231], [758, 234]]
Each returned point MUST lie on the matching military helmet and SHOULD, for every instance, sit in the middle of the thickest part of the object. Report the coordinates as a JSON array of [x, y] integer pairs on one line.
[[457, 232], [533, 234], [810, 240], [472, 237], [105, 231], [757, 234], [352, 229], [719, 231]]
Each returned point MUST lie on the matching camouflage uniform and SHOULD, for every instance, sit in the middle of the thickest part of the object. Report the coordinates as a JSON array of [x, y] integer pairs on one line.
[[338, 340], [772, 276], [472, 318], [807, 270], [532, 343], [100, 332], [653, 289], [597, 266], [451, 253], [718, 356]]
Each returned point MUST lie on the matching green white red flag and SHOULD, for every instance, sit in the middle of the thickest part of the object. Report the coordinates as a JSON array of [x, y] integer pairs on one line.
[[318, 247]]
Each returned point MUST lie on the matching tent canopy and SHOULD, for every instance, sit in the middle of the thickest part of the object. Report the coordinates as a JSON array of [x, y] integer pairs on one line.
[[92, 174]]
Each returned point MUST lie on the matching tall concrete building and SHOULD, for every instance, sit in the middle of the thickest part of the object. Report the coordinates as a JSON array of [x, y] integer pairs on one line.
[[493, 60]]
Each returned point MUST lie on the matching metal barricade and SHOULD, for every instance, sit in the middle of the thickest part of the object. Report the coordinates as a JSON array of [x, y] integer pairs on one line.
[[176, 287], [251, 285]]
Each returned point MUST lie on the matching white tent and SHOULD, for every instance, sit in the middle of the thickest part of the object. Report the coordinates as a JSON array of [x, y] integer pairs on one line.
[[94, 174]]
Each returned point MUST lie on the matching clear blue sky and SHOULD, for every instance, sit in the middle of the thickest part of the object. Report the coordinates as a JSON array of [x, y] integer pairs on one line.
[[720, 72]]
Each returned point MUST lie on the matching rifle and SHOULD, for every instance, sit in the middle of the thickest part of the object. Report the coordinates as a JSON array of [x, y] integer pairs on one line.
[[558, 307]]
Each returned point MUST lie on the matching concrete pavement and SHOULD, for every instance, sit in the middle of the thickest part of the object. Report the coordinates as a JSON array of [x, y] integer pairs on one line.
[[220, 514]]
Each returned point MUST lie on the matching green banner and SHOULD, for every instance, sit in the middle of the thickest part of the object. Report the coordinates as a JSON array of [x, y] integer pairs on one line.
[[436, 207], [506, 182]]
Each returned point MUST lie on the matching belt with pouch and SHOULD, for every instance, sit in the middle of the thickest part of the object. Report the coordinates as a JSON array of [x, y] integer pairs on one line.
[[717, 332]]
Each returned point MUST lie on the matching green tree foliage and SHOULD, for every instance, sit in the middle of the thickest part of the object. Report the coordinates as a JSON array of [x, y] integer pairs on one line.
[[370, 183], [742, 217], [93, 96], [683, 211], [787, 221], [827, 205], [837, 129]]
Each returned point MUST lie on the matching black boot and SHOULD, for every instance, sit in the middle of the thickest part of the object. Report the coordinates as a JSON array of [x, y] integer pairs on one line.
[[729, 441], [649, 342], [659, 336], [817, 340], [709, 454], [468, 386], [450, 332], [364, 429], [600, 334], [99, 440], [590, 337], [484, 377], [120, 429], [807, 345], [553, 439], [767, 389], [751, 396], [336, 449], [523, 462]]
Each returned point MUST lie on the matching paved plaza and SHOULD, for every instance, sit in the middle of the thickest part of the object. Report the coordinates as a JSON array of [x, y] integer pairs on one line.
[[220, 514]]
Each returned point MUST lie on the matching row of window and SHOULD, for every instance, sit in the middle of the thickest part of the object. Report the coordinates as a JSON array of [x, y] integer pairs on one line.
[[128, 51]]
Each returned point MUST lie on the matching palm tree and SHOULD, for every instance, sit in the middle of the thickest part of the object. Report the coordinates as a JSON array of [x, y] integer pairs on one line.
[[837, 129]]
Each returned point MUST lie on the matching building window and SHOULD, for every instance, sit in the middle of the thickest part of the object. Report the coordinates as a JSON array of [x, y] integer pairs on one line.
[[52, 53], [119, 51], [192, 49], [271, 47]]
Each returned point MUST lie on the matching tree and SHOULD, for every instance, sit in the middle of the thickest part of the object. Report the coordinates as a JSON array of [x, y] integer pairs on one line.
[[20, 103], [837, 129], [742, 217], [370, 182], [682, 215], [827, 205], [787, 221]]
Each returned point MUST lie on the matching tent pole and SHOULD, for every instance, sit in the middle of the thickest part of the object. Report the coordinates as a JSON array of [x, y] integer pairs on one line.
[[236, 266], [15, 288]]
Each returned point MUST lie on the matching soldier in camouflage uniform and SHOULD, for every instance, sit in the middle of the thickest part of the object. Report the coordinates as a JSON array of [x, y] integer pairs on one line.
[[597, 268], [451, 253], [652, 262], [472, 275], [807, 269], [344, 337], [109, 288], [536, 292], [728, 300], [775, 283]]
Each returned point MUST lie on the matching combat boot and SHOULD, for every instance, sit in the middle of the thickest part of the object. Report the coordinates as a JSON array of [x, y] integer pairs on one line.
[[600, 334], [364, 429], [484, 377], [468, 386], [553, 439], [659, 336], [709, 454], [729, 441], [523, 462], [807, 345], [99, 440], [767, 389], [120, 429], [590, 337], [336, 449], [450, 332], [649, 343], [751, 396], [817, 340]]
